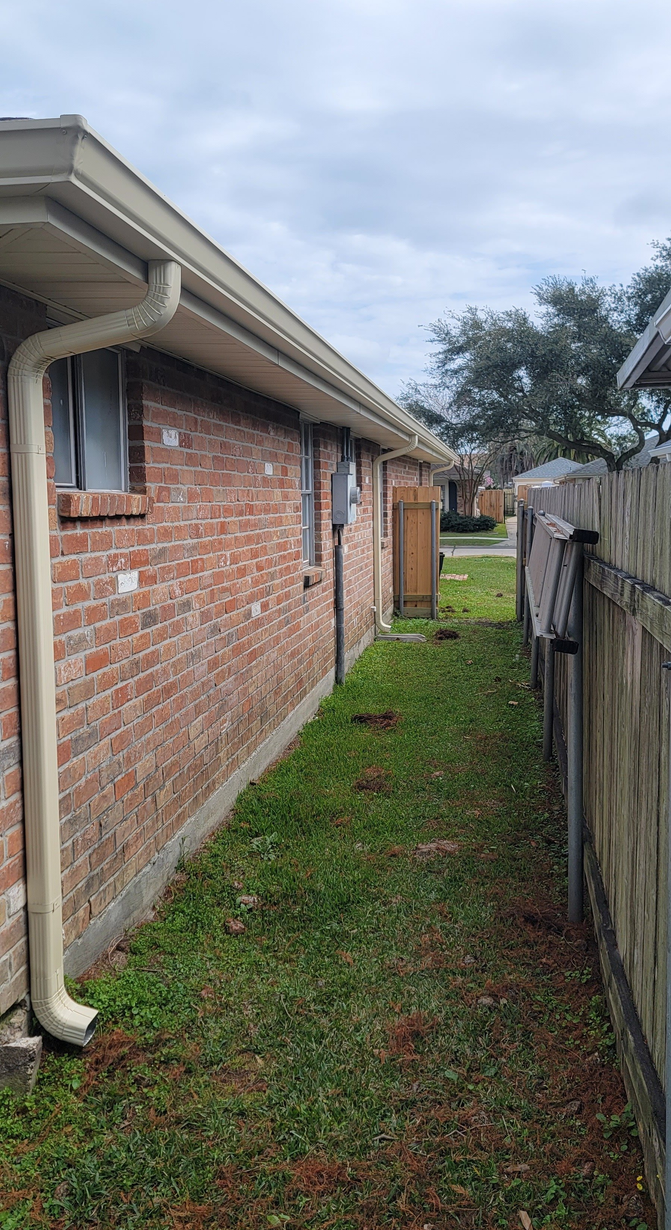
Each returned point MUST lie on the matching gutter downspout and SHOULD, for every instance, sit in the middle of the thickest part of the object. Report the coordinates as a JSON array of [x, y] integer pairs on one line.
[[56, 1011], [377, 529]]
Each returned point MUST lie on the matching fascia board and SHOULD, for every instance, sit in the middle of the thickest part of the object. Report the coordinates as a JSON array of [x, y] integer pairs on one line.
[[200, 309], [426, 450], [330, 365], [66, 160], [652, 341], [86, 174], [639, 358]]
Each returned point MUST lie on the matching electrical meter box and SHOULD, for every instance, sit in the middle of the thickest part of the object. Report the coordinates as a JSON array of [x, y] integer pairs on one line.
[[344, 493]]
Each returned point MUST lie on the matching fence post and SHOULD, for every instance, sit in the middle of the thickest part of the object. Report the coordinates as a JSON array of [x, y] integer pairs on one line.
[[534, 660], [527, 537], [548, 698], [519, 605], [574, 789], [434, 562], [401, 559]]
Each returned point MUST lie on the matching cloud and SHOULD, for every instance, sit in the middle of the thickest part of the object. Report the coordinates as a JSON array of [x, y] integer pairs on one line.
[[376, 162]]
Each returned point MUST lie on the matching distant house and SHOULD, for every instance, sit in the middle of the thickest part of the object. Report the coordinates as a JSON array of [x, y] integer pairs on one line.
[[550, 473], [598, 466], [455, 491]]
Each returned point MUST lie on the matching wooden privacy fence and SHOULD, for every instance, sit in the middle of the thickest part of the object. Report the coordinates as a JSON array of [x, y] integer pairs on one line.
[[627, 637], [490, 503]]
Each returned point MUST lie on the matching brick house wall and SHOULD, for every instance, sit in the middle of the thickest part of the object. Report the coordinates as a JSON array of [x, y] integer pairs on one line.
[[164, 693]]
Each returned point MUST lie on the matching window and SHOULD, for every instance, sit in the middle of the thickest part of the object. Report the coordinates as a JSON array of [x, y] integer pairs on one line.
[[307, 493], [89, 422]]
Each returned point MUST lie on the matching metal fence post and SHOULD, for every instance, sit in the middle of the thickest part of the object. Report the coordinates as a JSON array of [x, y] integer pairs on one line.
[[519, 605], [527, 618], [434, 570], [527, 536], [574, 789], [548, 699], [534, 661], [401, 560]]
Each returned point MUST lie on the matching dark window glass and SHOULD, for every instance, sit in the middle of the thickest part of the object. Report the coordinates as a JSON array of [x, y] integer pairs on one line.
[[89, 422], [62, 423], [103, 443]]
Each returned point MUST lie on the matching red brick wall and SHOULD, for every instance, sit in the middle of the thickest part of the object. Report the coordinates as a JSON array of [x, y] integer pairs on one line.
[[19, 318], [164, 692]]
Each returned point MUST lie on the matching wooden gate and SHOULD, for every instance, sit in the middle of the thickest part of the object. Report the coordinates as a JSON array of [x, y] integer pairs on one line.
[[490, 503], [413, 597]]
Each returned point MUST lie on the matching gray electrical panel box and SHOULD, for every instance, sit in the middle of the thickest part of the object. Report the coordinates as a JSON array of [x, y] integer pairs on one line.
[[345, 493]]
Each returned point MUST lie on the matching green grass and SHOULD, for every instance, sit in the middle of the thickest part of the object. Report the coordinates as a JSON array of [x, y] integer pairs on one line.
[[333, 1065], [458, 540], [488, 577]]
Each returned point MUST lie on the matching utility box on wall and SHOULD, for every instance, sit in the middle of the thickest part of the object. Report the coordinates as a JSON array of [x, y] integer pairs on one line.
[[345, 494]]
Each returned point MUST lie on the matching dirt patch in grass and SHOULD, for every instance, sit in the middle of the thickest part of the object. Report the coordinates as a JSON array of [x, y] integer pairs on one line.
[[378, 721], [374, 780], [436, 849], [445, 634]]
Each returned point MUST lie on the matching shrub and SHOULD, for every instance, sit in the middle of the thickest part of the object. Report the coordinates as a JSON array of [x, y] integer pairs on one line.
[[457, 523]]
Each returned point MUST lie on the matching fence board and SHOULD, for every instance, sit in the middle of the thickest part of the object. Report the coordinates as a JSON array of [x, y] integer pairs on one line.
[[417, 546], [490, 504], [626, 719]]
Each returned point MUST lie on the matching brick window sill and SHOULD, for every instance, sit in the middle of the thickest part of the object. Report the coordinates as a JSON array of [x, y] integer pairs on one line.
[[311, 576], [80, 504]]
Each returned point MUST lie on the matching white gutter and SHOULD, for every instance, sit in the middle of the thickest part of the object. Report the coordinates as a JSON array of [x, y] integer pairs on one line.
[[377, 529], [62, 170], [57, 1012]]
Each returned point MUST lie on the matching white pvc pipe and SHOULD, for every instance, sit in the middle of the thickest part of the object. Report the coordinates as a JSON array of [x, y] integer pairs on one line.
[[54, 1008], [377, 529]]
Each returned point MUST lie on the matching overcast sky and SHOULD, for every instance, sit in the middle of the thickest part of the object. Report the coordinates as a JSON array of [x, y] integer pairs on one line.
[[376, 162]]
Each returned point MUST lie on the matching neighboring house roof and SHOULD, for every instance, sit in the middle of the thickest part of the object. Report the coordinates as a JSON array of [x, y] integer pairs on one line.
[[450, 474], [648, 365], [77, 227], [551, 469], [593, 468]]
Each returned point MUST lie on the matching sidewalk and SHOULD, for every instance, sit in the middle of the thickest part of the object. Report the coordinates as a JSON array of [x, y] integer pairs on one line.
[[502, 546]]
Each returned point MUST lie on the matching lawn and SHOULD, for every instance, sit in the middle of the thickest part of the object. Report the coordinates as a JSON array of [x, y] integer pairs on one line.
[[404, 1033], [470, 540]]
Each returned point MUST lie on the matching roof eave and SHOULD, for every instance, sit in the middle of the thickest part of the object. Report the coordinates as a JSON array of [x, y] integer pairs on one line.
[[643, 366], [69, 163]]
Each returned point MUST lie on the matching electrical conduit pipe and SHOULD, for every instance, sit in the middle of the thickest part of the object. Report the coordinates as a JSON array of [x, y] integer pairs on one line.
[[56, 1011], [381, 626]]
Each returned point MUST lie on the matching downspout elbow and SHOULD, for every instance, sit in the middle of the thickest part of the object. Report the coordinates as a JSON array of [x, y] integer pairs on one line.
[[380, 625], [57, 1012]]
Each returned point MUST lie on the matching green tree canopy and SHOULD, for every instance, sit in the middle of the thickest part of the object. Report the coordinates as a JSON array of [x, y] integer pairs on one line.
[[508, 375]]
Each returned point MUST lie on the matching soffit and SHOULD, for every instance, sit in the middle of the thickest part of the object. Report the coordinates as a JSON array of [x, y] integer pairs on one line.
[[77, 225], [648, 365]]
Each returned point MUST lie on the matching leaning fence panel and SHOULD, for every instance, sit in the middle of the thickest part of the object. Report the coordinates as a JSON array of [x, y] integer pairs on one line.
[[627, 637]]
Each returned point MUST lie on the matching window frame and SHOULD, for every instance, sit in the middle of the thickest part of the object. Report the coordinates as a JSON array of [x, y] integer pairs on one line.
[[74, 461], [77, 396], [307, 492]]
